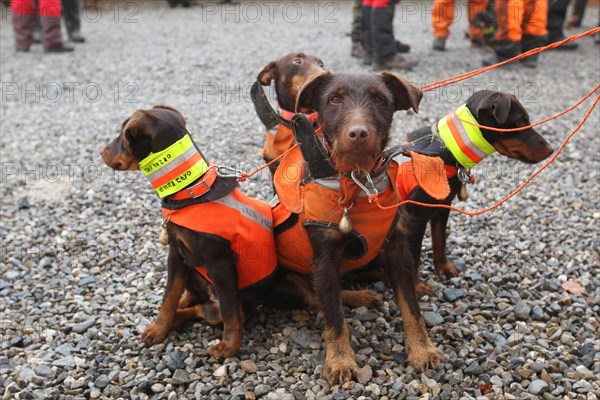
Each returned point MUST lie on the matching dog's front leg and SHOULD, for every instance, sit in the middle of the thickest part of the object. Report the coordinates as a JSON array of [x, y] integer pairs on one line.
[[401, 268], [340, 363], [177, 276], [222, 271], [443, 266]]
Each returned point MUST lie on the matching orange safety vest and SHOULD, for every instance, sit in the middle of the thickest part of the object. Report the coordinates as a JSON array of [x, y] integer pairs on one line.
[[316, 202], [407, 179], [279, 141], [245, 222]]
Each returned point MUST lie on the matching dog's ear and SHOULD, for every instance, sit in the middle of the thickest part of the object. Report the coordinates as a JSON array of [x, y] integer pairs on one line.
[[498, 105], [406, 94], [266, 75], [308, 96], [165, 107]]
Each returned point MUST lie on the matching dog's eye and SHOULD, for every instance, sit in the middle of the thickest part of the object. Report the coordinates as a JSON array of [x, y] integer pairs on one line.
[[297, 61], [379, 100], [336, 100], [321, 64]]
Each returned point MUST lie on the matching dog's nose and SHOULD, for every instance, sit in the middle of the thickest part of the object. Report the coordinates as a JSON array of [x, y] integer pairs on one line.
[[358, 134]]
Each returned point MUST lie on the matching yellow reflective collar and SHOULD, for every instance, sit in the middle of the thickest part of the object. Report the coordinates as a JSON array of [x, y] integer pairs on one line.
[[175, 167], [465, 141]]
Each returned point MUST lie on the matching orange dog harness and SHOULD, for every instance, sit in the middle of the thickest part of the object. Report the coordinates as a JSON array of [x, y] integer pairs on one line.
[[282, 139], [245, 222], [321, 202]]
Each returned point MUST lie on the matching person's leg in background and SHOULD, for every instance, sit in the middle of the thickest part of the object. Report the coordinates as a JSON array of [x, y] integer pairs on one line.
[[557, 13], [578, 13], [367, 40], [72, 20], [23, 23], [358, 50], [50, 13], [442, 18], [535, 33], [385, 52], [509, 16], [476, 7]]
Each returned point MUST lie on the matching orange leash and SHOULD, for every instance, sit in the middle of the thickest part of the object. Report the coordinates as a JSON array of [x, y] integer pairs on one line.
[[244, 176], [466, 75], [373, 198]]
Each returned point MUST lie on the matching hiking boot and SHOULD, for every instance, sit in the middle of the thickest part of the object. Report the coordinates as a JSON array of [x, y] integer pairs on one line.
[[567, 46], [402, 47], [439, 43], [396, 62], [504, 50], [75, 37]]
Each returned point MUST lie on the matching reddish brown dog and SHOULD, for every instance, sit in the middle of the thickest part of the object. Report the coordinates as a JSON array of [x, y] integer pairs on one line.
[[355, 115]]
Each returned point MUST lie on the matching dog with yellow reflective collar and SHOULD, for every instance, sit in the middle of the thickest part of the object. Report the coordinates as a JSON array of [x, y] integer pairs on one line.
[[221, 246], [449, 150]]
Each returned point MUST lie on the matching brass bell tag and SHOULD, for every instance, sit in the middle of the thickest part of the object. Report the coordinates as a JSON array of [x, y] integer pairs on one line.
[[465, 177], [463, 194], [345, 223], [163, 236]]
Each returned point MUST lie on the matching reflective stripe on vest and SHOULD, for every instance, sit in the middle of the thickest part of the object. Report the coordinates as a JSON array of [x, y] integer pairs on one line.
[[174, 168], [465, 141], [243, 221]]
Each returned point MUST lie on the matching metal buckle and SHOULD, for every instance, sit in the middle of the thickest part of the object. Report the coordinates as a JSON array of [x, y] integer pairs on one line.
[[190, 190], [464, 175]]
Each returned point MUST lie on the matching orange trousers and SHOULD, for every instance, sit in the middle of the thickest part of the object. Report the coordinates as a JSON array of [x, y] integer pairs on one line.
[[47, 8], [443, 17], [521, 17]]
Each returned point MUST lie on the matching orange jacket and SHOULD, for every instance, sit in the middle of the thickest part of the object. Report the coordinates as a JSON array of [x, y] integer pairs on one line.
[[317, 204], [245, 222], [426, 177]]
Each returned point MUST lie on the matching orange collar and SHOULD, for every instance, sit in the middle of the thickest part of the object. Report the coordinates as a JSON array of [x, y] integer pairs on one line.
[[200, 188], [287, 115]]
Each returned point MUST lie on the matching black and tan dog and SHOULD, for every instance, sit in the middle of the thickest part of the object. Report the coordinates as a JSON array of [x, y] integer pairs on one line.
[[221, 246], [289, 73], [325, 224], [452, 147]]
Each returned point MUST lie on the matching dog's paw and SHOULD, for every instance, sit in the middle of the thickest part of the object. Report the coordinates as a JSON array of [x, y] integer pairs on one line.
[[422, 290], [339, 370], [372, 299], [224, 349], [446, 269], [425, 357], [155, 333]]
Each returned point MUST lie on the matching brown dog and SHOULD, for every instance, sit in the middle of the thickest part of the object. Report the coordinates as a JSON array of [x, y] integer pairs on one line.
[[221, 246], [487, 108], [289, 73], [205, 217], [333, 227]]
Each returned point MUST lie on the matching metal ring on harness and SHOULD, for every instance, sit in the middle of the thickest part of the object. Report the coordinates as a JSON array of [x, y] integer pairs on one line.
[[369, 192], [237, 173]]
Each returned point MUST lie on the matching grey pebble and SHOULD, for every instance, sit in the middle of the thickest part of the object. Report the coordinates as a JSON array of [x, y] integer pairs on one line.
[[82, 327], [538, 387]]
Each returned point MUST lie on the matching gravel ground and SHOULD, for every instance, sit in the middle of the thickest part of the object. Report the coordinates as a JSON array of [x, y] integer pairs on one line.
[[82, 271]]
